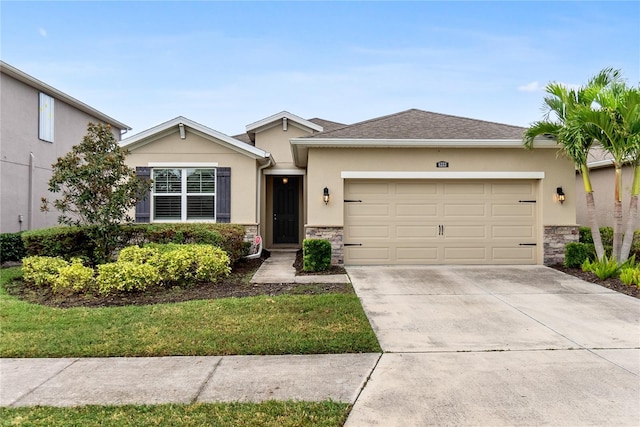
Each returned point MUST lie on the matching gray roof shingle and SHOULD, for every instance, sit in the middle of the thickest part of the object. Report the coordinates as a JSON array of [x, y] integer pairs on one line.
[[419, 124]]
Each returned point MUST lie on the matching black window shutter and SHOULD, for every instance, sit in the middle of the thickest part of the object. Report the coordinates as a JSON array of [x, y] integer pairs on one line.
[[143, 207], [223, 195]]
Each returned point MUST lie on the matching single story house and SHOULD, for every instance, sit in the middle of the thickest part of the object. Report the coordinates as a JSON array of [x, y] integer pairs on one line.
[[414, 187]]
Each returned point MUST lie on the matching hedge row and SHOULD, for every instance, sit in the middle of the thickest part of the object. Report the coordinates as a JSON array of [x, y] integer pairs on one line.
[[70, 242], [576, 253]]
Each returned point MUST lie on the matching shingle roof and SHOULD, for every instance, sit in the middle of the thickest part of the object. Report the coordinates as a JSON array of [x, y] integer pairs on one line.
[[418, 124]]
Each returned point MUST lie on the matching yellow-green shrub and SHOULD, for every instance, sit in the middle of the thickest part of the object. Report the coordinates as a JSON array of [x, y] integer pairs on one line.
[[137, 255], [180, 263], [126, 276], [74, 276], [630, 276], [42, 270]]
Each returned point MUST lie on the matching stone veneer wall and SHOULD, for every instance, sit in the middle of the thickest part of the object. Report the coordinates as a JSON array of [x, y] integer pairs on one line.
[[555, 238], [334, 235], [250, 233]]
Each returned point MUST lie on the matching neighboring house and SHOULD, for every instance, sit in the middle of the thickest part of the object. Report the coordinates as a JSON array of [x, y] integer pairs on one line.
[[410, 188], [602, 174], [38, 124]]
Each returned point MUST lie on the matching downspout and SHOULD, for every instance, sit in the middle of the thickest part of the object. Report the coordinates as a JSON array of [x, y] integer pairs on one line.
[[259, 188], [30, 196]]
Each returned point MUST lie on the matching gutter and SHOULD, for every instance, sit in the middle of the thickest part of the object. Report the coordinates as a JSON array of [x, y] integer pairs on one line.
[[258, 241]]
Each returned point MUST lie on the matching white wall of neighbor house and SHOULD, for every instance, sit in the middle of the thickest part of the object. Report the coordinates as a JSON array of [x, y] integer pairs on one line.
[[603, 181], [326, 164], [19, 112], [171, 149]]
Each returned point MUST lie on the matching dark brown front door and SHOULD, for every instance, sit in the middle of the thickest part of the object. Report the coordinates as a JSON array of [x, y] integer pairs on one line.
[[285, 209]]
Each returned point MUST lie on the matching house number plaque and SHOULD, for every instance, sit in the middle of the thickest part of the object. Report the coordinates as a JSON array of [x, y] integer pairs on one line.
[[442, 164]]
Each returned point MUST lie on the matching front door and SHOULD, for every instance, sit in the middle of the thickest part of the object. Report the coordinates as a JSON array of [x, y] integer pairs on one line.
[[285, 209]]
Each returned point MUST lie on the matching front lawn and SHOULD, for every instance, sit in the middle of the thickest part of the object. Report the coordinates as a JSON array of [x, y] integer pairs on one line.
[[282, 324], [275, 414]]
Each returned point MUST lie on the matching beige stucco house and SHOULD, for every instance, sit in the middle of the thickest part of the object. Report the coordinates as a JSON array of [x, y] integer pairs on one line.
[[413, 187], [38, 124]]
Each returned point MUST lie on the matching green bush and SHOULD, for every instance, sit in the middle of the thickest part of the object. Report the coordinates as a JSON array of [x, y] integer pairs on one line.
[[75, 277], [64, 242], [576, 253], [181, 263], [126, 276], [11, 247], [137, 255], [604, 269], [42, 270], [606, 233], [316, 254]]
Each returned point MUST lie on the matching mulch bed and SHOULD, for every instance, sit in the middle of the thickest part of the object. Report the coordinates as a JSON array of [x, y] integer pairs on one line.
[[611, 283], [235, 285]]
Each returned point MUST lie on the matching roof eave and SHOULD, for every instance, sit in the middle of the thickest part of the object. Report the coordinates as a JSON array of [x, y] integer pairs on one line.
[[57, 94]]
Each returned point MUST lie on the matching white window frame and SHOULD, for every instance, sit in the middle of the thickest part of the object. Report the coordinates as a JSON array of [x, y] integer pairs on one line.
[[46, 130], [183, 193]]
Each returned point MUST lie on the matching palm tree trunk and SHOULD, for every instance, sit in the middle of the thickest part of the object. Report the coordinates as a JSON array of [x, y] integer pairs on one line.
[[591, 212], [617, 215], [632, 218]]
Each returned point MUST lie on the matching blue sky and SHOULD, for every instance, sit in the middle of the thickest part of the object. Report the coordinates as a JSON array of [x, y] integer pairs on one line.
[[228, 64]]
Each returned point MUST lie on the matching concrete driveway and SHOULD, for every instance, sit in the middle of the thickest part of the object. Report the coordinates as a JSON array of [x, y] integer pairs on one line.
[[496, 345]]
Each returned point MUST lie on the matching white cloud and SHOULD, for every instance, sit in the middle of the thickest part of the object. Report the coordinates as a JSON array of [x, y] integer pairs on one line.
[[534, 86], [42, 31]]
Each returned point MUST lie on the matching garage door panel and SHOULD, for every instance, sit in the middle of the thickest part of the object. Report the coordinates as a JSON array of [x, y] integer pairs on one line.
[[513, 231], [416, 210], [465, 232], [415, 188], [518, 189], [471, 188], [511, 210], [440, 222], [355, 210], [513, 254], [471, 254], [369, 231], [428, 254], [465, 210], [416, 231]]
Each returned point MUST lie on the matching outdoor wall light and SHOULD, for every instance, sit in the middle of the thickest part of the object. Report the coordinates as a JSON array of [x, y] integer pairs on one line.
[[560, 197], [285, 180], [325, 196]]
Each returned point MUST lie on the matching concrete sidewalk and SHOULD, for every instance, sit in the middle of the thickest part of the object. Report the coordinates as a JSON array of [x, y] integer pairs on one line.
[[183, 379], [278, 268]]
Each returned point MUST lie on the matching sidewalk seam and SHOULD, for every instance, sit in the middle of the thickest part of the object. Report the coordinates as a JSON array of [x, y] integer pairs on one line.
[[206, 381], [55, 374]]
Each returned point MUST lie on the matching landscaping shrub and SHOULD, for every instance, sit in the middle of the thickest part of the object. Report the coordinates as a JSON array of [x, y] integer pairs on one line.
[[604, 269], [75, 276], [316, 254], [606, 233], [41, 270], [11, 247], [137, 255], [181, 263], [630, 276], [576, 253], [64, 242], [126, 276]]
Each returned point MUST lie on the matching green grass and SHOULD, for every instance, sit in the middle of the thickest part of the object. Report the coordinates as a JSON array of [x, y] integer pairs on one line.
[[286, 324], [280, 414]]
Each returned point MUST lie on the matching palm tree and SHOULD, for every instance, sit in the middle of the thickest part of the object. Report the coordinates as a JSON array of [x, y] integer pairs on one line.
[[616, 125], [561, 106]]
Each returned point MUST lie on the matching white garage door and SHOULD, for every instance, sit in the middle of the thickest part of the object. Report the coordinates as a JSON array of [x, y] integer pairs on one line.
[[440, 222]]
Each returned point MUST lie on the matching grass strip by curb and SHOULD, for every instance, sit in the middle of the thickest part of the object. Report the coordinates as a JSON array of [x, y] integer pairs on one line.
[[267, 414]]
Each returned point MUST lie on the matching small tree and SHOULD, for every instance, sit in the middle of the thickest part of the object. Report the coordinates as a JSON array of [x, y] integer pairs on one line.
[[97, 188]]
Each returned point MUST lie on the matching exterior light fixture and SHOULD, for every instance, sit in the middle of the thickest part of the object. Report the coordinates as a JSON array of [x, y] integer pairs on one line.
[[285, 180], [560, 197], [325, 196]]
